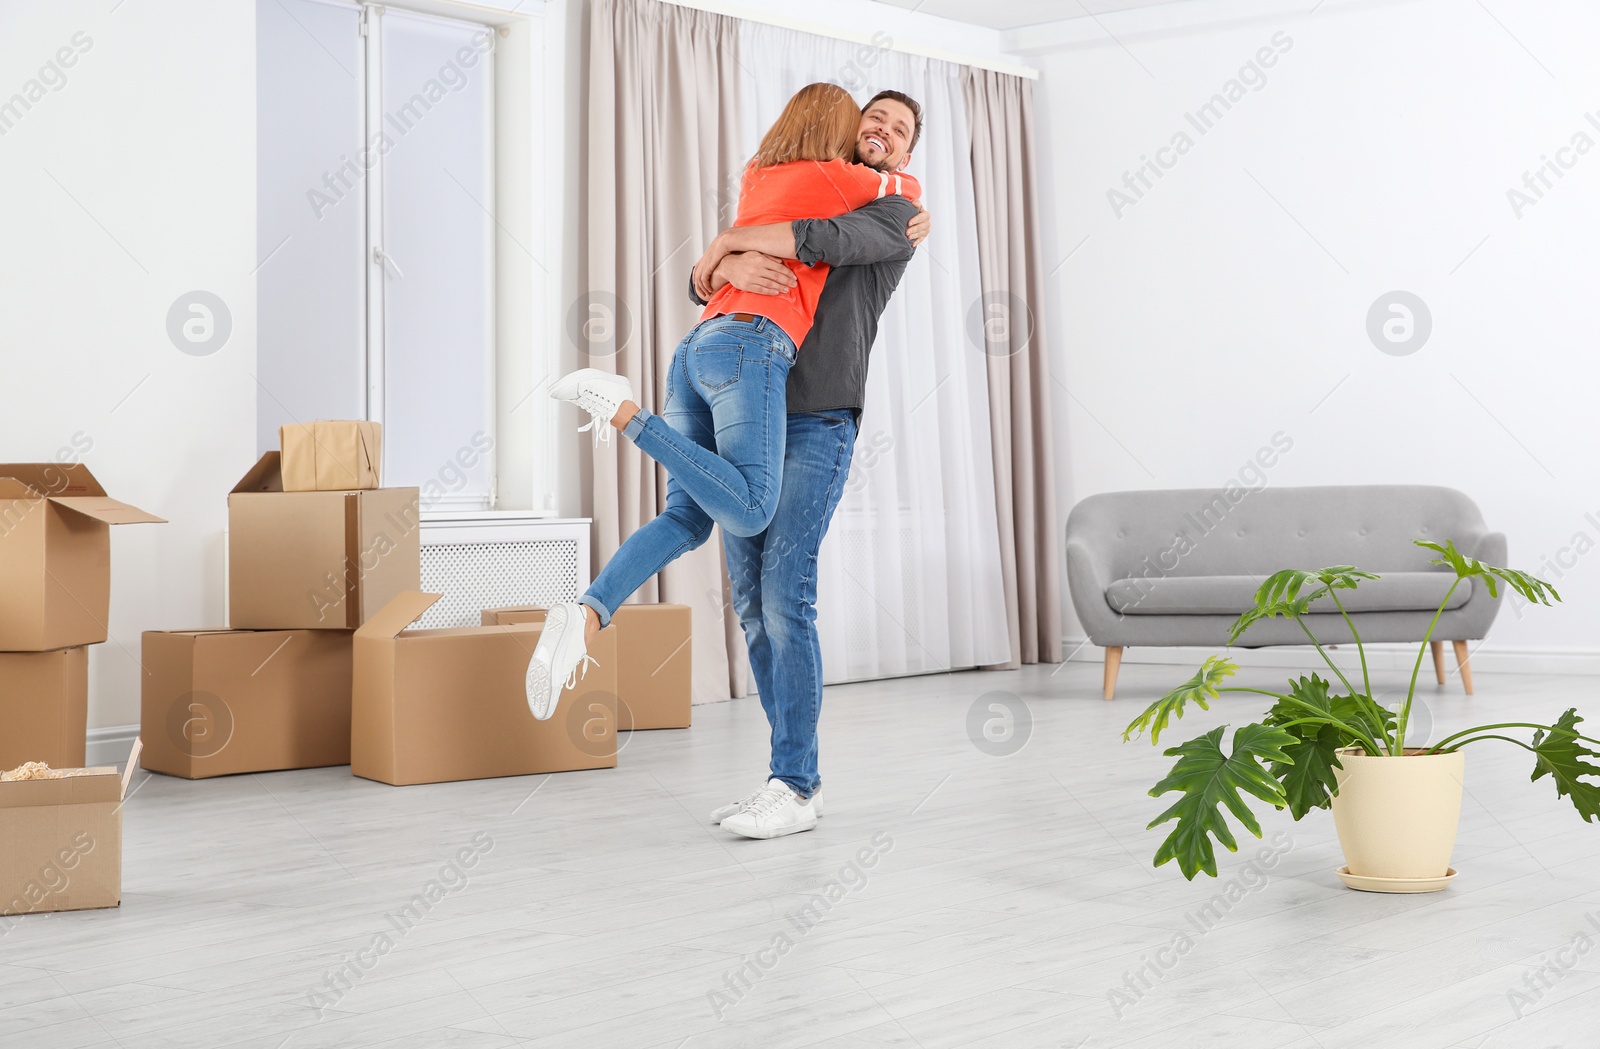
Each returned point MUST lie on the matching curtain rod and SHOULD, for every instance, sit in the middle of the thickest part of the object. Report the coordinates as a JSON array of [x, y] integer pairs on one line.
[[733, 9]]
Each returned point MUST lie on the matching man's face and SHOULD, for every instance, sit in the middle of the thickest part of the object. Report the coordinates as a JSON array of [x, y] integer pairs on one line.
[[884, 141]]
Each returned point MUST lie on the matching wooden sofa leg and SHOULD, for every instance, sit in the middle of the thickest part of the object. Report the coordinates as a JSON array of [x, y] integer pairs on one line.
[[1466, 667], [1438, 659], [1113, 663]]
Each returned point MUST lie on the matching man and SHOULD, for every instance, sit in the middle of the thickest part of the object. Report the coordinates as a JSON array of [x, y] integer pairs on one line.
[[774, 573]]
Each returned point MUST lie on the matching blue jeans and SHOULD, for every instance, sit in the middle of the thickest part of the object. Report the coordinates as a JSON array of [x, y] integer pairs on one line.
[[721, 438], [774, 577]]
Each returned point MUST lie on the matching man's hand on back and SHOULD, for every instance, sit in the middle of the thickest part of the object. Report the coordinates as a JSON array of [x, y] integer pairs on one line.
[[917, 229], [754, 272]]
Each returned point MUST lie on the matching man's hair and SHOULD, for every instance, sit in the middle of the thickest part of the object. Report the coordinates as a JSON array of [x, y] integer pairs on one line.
[[907, 101]]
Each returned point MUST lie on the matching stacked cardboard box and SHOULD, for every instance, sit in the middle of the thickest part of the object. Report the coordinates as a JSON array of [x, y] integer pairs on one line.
[[314, 547], [55, 600], [655, 683], [324, 574]]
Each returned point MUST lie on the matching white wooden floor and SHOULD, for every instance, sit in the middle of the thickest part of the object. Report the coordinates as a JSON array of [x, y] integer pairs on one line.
[[1008, 896]]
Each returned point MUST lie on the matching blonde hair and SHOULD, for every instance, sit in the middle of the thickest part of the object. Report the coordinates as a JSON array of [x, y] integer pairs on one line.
[[820, 122]]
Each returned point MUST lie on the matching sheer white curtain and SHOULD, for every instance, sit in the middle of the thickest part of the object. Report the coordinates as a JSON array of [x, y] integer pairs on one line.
[[910, 576]]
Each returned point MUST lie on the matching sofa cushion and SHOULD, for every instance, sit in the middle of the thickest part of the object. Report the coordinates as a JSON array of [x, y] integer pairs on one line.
[[1235, 594]]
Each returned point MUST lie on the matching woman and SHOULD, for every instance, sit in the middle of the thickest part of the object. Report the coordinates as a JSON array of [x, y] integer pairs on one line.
[[721, 434]]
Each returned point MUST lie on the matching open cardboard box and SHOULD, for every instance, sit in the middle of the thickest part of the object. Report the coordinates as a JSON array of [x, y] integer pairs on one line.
[[55, 555], [331, 455], [219, 702], [433, 706], [317, 560], [63, 842], [44, 708], [655, 679]]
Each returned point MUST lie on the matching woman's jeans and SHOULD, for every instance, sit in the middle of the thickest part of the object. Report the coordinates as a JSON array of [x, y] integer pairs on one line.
[[720, 436]]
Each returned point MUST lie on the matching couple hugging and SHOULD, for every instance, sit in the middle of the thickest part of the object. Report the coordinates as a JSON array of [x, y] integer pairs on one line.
[[755, 434]]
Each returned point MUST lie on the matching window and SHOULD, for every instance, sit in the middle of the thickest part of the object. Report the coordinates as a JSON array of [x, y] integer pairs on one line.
[[384, 286]]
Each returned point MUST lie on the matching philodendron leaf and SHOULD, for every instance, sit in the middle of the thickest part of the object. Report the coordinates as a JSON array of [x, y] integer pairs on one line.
[[1531, 587], [1559, 754], [1198, 689], [1209, 778], [1307, 777], [1365, 714], [1291, 592]]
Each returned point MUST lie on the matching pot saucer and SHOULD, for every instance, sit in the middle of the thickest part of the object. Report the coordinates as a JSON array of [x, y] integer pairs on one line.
[[1369, 884]]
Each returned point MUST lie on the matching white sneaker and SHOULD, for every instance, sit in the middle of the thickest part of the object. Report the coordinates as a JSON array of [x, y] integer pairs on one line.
[[775, 811], [596, 392], [557, 659], [718, 815]]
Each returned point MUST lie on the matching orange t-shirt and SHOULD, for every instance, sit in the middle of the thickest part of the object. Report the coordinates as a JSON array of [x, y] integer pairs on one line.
[[804, 189]]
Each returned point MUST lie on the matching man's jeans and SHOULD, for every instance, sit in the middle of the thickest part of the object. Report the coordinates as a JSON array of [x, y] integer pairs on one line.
[[721, 438], [774, 576]]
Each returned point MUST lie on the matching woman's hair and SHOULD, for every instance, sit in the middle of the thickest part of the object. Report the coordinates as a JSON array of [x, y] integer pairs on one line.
[[820, 122]]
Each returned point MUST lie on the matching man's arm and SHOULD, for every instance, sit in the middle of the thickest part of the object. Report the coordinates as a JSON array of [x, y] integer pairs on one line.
[[879, 232], [886, 230], [747, 271]]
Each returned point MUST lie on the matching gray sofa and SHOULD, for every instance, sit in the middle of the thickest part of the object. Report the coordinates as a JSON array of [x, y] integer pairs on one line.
[[1177, 567]]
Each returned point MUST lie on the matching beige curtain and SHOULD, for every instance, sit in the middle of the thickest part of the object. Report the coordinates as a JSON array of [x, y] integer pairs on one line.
[[660, 179], [1006, 184]]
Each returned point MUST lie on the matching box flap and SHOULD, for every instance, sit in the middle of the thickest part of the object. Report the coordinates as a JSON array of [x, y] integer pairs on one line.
[[11, 488], [265, 476], [133, 763], [398, 614], [54, 478], [101, 508], [102, 785]]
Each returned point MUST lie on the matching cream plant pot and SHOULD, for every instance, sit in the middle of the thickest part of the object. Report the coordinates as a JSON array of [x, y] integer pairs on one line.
[[1397, 817]]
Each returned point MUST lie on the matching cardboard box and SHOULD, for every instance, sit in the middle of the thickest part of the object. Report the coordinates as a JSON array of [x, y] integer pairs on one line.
[[44, 707], [655, 681], [331, 455], [433, 706], [219, 702], [317, 560], [55, 555], [63, 842]]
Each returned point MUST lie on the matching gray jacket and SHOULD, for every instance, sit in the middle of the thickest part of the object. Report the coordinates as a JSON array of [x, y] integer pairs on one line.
[[868, 251]]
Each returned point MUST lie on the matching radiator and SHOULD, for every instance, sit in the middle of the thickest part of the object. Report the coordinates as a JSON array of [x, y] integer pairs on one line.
[[487, 560]]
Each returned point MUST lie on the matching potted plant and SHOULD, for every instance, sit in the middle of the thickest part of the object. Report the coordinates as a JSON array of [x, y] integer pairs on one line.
[[1395, 805]]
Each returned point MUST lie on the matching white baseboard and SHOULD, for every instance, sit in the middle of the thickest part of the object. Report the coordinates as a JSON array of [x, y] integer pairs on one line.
[[110, 746], [1486, 658]]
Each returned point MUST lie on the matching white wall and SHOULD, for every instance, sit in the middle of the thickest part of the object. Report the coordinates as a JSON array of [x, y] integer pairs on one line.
[[1231, 300], [130, 185]]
